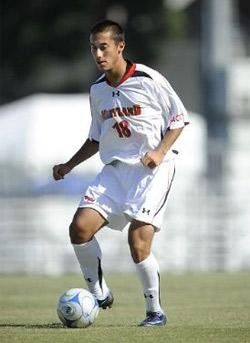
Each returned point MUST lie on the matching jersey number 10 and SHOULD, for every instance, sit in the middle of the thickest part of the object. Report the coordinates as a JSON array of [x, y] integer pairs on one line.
[[122, 128]]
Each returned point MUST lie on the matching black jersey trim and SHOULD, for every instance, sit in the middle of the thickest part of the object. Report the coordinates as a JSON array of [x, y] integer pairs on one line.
[[94, 141], [139, 73], [102, 79], [136, 73]]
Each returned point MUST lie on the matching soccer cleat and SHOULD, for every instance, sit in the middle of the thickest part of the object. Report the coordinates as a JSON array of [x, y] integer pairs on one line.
[[154, 319], [107, 302]]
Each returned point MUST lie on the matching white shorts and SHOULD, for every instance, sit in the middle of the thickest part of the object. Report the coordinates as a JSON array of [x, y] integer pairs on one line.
[[122, 192]]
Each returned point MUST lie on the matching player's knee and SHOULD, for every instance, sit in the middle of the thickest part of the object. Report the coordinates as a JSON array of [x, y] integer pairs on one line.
[[79, 233], [139, 252]]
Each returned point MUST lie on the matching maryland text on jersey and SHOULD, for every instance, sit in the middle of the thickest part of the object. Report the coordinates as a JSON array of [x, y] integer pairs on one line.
[[135, 110]]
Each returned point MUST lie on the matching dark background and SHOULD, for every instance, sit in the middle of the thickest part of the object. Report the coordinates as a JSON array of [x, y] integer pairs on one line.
[[44, 43]]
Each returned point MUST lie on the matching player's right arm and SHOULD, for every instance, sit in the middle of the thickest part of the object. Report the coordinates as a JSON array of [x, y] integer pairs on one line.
[[88, 149]]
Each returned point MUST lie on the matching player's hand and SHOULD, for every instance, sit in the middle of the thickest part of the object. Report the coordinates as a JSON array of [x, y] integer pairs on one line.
[[152, 159], [60, 170]]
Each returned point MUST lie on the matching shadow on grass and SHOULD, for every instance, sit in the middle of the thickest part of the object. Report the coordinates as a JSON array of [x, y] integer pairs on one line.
[[33, 326], [56, 326]]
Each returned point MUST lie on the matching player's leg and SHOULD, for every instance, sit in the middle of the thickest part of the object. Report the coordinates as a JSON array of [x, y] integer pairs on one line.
[[140, 237], [85, 224]]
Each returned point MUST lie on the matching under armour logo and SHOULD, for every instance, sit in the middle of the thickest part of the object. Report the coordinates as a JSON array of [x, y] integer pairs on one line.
[[144, 210], [148, 296], [89, 198], [115, 93]]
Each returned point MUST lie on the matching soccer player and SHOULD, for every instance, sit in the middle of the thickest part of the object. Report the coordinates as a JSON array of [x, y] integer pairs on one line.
[[136, 118]]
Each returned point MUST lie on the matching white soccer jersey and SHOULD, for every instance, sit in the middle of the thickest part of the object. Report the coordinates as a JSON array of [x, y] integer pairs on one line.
[[130, 119]]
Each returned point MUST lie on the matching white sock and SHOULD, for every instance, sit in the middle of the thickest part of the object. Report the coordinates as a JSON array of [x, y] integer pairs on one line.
[[148, 271], [89, 257]]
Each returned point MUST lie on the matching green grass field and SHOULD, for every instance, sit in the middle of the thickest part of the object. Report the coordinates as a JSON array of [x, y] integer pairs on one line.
[[201, 308]]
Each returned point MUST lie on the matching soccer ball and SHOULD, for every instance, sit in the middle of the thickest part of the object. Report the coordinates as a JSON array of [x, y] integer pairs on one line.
[[77, 308]]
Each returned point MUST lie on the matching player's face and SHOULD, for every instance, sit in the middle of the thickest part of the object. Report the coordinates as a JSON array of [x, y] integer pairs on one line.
[[106, 51]]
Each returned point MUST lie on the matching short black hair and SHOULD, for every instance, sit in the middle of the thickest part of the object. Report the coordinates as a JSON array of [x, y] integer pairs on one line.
[[109, 25]]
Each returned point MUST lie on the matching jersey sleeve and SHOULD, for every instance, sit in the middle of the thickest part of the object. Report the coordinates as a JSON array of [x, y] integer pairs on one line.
[[172, 106], [95, 127]]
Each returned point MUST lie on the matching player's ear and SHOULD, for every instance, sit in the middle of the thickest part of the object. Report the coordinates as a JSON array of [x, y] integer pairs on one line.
[[121, 46]]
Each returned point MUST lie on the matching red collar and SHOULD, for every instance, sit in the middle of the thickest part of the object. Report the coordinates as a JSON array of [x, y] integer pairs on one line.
[[127, 75]]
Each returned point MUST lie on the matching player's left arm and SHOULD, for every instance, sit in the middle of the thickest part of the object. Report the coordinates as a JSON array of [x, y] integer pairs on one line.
[[176, 119], [153, 158]]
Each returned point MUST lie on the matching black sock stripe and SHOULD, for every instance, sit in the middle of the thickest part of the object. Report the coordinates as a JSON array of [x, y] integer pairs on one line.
[[159, 278], [100, 274]]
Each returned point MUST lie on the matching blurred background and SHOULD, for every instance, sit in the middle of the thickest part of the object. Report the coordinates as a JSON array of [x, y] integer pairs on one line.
[[203, 48]]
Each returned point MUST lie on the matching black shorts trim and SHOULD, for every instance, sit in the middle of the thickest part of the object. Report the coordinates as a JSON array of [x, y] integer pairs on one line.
[[166, 196]]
